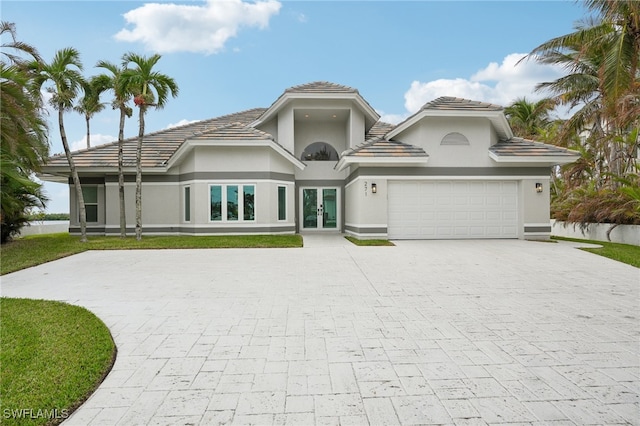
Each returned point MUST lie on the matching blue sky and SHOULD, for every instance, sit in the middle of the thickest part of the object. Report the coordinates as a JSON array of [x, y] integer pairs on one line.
[[227, 56]]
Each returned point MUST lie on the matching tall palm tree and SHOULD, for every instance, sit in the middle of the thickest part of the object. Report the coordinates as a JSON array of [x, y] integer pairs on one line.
[[602, 60], [89, 105], [602, 56], [529, 119], [151, 89], [620, 35], [23, 135], [64, 75], [122, 95]]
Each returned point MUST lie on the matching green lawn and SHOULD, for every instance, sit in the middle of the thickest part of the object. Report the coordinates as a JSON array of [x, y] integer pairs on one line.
[[52, 357], [369, 242], [624, 253], [37, 249]]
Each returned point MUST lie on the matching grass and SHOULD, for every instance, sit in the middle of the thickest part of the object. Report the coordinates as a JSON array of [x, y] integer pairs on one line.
[[624, 253], [37, 249], [369, 242], [53, 356]]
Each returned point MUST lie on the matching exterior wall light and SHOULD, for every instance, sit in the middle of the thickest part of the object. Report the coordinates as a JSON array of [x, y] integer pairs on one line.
[[374, 188], [538, 187]]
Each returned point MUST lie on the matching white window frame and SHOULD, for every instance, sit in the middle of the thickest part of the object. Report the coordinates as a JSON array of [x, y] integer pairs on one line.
[[223, 213], [97, 203]]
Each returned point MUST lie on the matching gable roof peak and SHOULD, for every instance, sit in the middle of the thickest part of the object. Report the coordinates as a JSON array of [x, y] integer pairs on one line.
[[321, 87], [459, 104]]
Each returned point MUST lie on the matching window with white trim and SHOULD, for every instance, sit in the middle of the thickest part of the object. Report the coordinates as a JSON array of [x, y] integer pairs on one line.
[[454, 138], [232, 203], [90, 195]]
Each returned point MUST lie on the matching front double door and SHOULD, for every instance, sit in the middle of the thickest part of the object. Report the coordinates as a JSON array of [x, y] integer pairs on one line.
[[319, 209]]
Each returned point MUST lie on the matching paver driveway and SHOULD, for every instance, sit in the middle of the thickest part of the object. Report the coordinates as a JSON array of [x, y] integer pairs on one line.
[[444, 332]]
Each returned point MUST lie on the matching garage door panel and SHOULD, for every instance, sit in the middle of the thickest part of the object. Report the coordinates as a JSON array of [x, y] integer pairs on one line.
[[476, 231], [428, 231], [453, 209], [492, 200], [444, 201], [443, 231], [509, 216], [493, 216], [509, 230], [461, 201], [427, 215]]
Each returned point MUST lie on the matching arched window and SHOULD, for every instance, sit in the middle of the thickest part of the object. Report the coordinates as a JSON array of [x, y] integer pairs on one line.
[[319, 151], [454, 138]]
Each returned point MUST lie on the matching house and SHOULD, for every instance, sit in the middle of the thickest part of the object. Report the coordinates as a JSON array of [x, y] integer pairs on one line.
[[320, 160]]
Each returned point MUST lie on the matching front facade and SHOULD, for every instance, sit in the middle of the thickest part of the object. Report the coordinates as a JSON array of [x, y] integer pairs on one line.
[[319, 160]]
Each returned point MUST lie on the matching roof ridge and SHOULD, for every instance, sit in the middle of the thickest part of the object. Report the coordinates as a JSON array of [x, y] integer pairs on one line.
[[318, 85], [456, 101]]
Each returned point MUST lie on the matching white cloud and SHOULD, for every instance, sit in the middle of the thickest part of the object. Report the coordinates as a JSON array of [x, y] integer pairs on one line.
[[96, 140], [496, 83], [392, 118], [168, 27], [182, 122]]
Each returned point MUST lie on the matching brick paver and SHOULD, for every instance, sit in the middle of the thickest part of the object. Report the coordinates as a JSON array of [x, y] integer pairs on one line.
[[431, 332]]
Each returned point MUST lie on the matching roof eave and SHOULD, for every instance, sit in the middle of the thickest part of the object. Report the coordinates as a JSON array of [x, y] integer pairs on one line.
[[537, 159], [346, 161], [289, 96], [189, 144], [52, 177], [498, 119], [62, 173]]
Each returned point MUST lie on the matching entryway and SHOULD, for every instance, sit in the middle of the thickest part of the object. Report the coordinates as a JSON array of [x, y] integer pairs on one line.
[[319, 209], [325, 240]]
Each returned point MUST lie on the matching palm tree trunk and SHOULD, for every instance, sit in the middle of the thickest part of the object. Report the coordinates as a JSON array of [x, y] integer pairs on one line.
[[86, 117], [123, 213], [139, 175], [75, 177]]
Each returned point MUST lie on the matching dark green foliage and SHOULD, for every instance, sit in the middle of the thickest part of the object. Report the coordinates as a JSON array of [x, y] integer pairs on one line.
[[23, 136]]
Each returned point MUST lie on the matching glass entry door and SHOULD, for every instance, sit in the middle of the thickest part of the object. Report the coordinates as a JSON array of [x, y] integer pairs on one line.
[[319, 208]]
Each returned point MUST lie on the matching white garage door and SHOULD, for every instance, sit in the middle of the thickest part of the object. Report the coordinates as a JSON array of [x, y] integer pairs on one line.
[[453, 209]]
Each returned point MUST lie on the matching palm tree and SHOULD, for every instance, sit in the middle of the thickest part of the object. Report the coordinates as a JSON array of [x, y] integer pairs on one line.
[[603, 57], [23, 135], [120, 101], [63, 72], [89, 105], [529, 119], [151, 89], [20, 48]]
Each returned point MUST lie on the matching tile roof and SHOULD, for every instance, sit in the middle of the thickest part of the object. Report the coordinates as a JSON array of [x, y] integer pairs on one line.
[[459, 104], [321, 87], [159, 147], [233, 131], [378, 130], [384, 148], [519, 147]]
